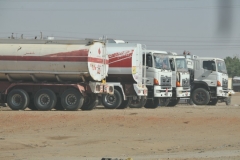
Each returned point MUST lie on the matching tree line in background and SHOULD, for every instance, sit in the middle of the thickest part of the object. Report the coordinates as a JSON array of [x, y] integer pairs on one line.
[[233, 66]]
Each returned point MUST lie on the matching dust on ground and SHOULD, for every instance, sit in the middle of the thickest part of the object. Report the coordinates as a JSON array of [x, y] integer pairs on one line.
[[179, 133]]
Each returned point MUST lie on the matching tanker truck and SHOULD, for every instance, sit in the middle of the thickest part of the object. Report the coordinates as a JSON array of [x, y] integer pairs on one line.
[[46, 74], [126, 75]]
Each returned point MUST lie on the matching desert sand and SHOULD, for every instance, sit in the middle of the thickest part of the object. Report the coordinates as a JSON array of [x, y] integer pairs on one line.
[[184, 132]]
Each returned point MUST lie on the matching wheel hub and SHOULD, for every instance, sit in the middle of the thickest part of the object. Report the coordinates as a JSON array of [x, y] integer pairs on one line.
[[111, 99], [17, 99], [71, 99], [44, 99]]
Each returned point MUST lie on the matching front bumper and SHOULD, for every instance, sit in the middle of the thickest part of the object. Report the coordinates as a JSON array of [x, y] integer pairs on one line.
[[180, 92], [159, 91], [222, 92], [140, 90]]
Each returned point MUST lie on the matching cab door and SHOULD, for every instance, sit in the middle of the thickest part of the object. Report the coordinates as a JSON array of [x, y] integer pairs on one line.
[[209, 74]]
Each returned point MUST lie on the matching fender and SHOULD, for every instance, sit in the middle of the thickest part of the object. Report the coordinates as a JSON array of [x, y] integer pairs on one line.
[[200, 83]]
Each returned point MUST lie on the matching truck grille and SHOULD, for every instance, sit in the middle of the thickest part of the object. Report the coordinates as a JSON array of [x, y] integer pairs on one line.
[[185, 82], [165, 81], [225, 83]]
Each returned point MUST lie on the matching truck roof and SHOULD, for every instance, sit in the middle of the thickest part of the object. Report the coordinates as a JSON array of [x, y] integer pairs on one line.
[[156, 51], [209, 58], [45, 41]]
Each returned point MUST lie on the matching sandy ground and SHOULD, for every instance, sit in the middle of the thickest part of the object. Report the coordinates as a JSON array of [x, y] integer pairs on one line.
[[181, 133]]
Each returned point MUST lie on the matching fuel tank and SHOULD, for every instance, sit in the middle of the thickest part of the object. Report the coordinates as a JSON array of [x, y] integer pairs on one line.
[[125, 62], [52, 60]]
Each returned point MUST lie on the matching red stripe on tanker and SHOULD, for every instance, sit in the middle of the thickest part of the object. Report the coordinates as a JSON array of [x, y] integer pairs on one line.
[[121, 59], [73, 56]]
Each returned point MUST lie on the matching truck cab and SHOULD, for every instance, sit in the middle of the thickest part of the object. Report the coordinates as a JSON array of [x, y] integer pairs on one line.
[[210, 82], [180, 78], [158, 78]]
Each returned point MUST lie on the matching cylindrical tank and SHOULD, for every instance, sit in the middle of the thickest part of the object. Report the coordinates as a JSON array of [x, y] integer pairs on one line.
[[125, 62], [52, 60]]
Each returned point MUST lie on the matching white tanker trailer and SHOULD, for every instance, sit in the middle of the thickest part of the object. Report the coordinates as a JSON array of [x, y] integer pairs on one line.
[[46, 74], [127, 76]]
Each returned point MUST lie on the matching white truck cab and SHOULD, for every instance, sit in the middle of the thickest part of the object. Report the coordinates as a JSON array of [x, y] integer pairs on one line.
[[180, 78], [210, 80], [158, 78]]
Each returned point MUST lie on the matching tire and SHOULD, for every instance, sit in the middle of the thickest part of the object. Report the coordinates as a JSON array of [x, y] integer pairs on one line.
[[45, 99], [112, 101], [32, 105], [138, 102], [72, 99], [18, 99], [90, 102], [152, 103], [190, 102], [164, 102], [125, 103], [213, 102], [228, 101], [173, 102], [200, 96], [58, 105]]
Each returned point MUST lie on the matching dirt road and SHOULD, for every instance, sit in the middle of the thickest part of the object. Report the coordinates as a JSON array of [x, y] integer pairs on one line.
[[182, 132]]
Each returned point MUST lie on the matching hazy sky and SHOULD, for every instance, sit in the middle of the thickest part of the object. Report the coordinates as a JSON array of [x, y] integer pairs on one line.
[[203, 27]]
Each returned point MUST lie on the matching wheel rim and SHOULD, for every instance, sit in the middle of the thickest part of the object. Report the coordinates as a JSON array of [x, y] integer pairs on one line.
[[135, 100], [71, 99], [44, 99], [17, 100], [200, 96], [111, 99]]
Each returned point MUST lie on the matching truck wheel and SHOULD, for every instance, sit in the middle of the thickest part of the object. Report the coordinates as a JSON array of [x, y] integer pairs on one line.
[[173, 102], [18, 99], [164, 101], [138, 102], [90, 102], [58, 105], [45, 99], [213, 102], [189, 101], [125, 103], [152, 103], [200, 96], [112, 101], [72, 100], [228, 101], [32, 105]]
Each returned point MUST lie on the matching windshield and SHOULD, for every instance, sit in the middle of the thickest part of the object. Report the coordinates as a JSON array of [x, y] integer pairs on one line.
[[221, 67], [161, 61], [181, 64]]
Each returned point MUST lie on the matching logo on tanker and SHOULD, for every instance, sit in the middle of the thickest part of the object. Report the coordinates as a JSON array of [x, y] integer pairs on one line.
[[99, 51]]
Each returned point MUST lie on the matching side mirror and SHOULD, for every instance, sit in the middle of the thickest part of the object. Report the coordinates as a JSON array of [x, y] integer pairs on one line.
[[149, 63], [213, 68]]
